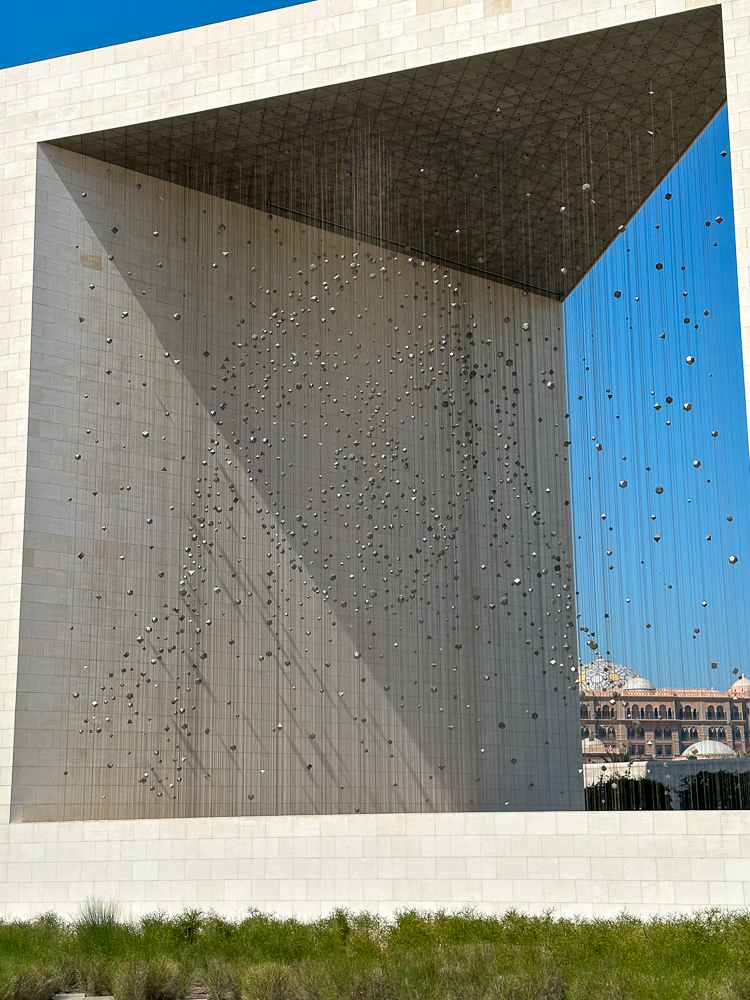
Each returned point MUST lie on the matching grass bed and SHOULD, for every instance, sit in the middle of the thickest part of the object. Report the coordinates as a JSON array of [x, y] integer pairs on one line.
[[345, 957]]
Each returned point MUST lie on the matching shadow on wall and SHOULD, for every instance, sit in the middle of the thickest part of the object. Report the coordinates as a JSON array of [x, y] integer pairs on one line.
[[367, 493], [689, 785]]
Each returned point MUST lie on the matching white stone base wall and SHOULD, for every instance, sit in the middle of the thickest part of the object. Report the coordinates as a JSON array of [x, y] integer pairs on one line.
[[572, 864]]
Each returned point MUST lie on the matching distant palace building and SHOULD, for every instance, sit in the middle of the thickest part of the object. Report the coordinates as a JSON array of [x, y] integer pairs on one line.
[[623, 713]]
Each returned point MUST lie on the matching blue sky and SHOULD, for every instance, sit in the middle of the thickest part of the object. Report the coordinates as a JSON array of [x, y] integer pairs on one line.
[[43, 30], [620, 368], [645, 610]]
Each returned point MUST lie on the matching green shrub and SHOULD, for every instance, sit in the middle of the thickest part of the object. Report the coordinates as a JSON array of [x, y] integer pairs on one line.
[[513, 987], [157, 980], [626, 793], [416, 956], [34, 984], [95, 976], [220, 980], [715, 790], [270, 981]]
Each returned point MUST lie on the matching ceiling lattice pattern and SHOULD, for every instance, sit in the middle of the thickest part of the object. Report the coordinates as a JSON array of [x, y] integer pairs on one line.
[[482, 161]]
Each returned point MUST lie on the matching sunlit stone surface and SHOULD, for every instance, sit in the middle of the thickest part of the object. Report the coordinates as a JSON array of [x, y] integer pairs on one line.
[[300, 532], [297, 532]]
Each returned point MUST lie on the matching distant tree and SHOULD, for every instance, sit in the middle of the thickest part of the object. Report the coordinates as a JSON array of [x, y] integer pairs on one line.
[[625, 793], [715, 790]]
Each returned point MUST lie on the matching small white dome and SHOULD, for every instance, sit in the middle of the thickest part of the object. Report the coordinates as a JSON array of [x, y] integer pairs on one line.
[[638, 683], [709, 748], [742, 682], [591, 743]]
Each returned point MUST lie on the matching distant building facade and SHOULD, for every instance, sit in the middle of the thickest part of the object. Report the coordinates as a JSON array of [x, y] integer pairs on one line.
[[625, 714]]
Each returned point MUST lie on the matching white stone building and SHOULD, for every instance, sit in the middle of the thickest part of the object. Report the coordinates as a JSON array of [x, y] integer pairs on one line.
[[468, 121]]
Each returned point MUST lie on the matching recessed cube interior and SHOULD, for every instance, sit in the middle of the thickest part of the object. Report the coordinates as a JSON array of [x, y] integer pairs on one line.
[[297, 535]]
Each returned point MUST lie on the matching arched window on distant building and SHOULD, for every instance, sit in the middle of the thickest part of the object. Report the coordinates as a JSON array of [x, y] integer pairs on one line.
[[710, 713]]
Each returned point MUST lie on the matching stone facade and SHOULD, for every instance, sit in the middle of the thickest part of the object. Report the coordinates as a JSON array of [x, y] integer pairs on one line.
[[570, 864], [579, 863], [285, 553], [665, 722], [313, 45]]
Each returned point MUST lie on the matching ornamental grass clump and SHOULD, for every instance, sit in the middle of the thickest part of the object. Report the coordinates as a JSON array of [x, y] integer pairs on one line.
[[414, 956]]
